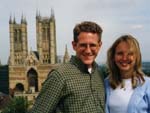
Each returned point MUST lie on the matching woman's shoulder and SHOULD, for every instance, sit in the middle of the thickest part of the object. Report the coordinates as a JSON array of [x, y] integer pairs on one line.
[[147, 79], [106, 81], [146, 84]]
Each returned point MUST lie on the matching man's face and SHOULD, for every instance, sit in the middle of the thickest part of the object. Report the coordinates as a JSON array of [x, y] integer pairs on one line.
[[87, 47]]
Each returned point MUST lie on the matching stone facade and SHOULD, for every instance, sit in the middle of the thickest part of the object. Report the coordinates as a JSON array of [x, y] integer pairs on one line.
[[30, 68]]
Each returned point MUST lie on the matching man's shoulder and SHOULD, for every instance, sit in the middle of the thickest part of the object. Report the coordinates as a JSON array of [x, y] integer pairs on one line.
[[66, 68]]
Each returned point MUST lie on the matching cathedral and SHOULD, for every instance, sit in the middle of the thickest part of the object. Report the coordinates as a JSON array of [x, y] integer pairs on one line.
[[29, 69]]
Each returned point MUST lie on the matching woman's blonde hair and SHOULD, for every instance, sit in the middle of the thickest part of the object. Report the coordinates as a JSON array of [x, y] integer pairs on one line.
[[114, 73]]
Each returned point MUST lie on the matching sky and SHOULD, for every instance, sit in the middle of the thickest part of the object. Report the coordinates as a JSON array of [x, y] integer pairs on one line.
[[116, 17]]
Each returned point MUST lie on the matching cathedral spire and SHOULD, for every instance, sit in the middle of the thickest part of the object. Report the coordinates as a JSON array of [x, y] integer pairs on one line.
[[38, 16], [23, 19], [66, 56], [52, 14], [14, 20], [10, 20]]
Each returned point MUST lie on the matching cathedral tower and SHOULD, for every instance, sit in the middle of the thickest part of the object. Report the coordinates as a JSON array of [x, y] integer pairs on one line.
[[46, 39], [18, 41]]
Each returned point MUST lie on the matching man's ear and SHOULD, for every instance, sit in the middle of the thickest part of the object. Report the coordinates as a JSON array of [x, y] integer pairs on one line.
[[100, 43], [74, 45]]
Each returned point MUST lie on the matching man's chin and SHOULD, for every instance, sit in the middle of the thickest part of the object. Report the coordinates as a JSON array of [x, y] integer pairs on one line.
[[88, 62]]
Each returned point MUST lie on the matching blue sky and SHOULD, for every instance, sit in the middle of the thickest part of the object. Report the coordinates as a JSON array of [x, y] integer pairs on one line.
[[116, 17]]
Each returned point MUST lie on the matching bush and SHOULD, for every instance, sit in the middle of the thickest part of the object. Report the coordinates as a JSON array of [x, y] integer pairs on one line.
[[17, 105]]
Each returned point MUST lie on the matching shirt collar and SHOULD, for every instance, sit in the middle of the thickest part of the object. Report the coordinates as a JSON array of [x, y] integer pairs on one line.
[[80, 65]]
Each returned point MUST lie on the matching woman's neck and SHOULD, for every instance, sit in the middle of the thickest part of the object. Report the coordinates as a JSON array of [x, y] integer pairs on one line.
[[126, 75]]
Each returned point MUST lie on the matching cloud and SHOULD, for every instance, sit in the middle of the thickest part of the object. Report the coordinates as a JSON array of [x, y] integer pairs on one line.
[[138, 26]]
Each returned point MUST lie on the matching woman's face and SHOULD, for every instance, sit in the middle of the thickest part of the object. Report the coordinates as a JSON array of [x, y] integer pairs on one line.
[[125, 58]]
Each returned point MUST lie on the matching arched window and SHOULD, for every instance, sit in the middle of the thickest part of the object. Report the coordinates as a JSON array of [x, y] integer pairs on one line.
[[32, 79]]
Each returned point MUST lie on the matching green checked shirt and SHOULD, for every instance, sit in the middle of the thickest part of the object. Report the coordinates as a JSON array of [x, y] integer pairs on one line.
[[71, 89]]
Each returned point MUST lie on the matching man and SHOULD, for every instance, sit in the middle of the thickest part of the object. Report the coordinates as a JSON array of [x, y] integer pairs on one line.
[[77, 86]]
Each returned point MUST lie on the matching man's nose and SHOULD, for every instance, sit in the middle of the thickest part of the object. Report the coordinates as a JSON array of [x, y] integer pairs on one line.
[[88, 48]]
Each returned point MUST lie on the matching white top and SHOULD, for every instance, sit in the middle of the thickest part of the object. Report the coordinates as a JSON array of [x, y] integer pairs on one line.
[[119, 98]]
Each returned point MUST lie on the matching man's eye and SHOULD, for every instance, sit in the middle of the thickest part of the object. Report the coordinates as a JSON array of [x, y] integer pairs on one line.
[[93, 45], [83, 45]]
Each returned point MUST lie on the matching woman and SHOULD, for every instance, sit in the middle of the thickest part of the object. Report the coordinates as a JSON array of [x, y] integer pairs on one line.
[[127, 88]]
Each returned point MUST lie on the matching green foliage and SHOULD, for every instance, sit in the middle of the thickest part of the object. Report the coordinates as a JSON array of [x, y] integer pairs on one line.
[[104, 70], [147, 72], [17, 105]]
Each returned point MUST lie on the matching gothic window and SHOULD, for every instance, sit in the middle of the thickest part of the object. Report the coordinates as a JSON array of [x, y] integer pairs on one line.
[[19, 87], [19, 36], [48, 60], [15, 35], [17, 40], [44, 34], [48, 32], [32, 79]]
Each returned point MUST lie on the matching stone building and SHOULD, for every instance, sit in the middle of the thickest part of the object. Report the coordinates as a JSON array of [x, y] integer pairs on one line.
[[29, 69]]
